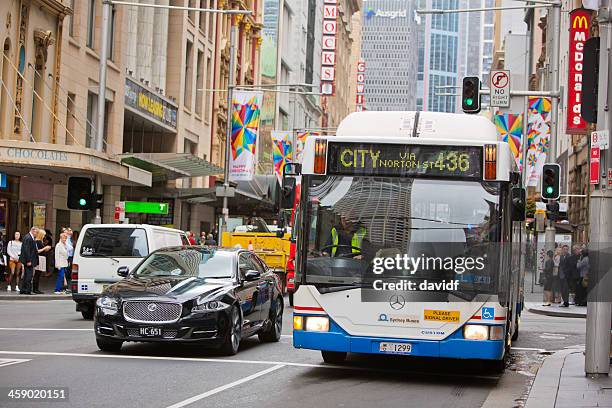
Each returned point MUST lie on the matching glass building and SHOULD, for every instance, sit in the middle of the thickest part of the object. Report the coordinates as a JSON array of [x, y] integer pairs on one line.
[[389, 49]]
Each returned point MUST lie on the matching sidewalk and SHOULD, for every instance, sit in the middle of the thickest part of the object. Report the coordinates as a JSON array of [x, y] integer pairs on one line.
[[47, 285], [534, 301], [561, 383]]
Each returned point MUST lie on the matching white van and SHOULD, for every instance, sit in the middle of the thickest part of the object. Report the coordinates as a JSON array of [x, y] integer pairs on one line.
[[102, 249]]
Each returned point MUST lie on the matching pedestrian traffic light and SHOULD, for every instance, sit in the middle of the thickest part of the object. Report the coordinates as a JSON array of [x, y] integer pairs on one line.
[[470, 96], [80, 195], [551, 174]]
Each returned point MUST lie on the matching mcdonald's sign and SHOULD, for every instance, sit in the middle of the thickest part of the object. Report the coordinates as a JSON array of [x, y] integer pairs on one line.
[[579, 32]]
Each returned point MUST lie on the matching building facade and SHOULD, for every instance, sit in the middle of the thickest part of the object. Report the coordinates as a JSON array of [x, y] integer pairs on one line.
[[389, 52]]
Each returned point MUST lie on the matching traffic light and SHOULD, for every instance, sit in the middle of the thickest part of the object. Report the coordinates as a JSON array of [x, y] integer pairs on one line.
[[551, 174], [80, 196], [470, 96]]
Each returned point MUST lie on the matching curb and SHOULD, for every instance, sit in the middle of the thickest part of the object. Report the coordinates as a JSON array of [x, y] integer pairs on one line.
[[556, 313], [35, 297], [543, 393]]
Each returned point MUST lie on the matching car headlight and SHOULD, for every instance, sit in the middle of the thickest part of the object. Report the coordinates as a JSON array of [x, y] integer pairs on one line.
[[317, 323], [107, 304], [209, 306], [476, 332]]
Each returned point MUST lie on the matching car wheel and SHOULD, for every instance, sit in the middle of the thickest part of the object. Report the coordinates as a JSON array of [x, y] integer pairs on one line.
[[272, 332], [88, 313], [108, 344], [333, 357], [234, 333]]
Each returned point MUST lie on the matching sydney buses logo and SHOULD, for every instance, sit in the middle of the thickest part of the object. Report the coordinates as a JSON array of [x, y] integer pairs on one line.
[[580, 22]]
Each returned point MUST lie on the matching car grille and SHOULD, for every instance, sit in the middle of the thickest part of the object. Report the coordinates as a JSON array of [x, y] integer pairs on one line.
[[152, 312], [166, 334]]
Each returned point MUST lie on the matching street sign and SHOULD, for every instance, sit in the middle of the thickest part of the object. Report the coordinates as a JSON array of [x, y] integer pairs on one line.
[[119, 210], [145, 207], [222, 191], [601, 139], [595, 157], [500, 88]]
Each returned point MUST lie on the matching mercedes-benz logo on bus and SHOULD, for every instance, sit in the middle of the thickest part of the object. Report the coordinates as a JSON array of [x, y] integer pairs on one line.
[[152, 307], [397, 302]]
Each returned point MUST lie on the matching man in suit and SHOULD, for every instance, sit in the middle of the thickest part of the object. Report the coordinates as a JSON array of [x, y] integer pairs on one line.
[[29, 259]]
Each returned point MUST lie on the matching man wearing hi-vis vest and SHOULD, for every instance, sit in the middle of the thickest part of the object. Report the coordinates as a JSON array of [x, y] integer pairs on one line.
[[345, 239]]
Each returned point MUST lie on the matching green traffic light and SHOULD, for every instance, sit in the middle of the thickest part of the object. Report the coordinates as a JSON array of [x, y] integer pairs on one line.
[[469, 101], [549, 190], [82, 202]]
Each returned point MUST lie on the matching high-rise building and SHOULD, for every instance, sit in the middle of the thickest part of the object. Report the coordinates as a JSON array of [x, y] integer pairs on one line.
[[389, 52], [438, 57]]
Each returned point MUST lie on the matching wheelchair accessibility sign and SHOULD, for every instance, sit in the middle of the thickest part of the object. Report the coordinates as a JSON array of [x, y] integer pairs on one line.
[[488, 313]]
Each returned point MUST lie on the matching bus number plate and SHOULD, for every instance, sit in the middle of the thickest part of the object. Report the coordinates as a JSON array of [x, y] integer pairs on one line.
[[395, 348]]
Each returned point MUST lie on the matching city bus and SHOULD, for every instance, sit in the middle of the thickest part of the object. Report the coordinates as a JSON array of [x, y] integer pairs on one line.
[[390, 192]]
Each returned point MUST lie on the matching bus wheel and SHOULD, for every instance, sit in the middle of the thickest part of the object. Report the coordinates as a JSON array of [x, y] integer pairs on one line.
[[515, 335], [333, 357]]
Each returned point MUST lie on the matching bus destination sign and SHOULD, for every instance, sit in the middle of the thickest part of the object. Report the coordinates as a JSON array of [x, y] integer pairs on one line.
[[384, 159]]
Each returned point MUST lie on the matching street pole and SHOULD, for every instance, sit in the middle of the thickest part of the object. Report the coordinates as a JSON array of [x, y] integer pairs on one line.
[[599, 311], [228, 133], [106, 8]]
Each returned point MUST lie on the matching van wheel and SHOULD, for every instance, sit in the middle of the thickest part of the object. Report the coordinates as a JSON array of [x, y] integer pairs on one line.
[[333, 357], [87, 313], [108, 345]]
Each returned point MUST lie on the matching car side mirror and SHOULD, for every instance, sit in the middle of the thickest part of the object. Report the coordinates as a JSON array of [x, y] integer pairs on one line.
[[252, 275], [123, 271]]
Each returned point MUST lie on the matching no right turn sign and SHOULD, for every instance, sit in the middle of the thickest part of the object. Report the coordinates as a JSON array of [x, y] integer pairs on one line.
[[499, 85]]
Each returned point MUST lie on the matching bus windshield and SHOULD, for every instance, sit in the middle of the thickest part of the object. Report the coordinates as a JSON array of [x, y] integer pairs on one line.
[[352, 221]]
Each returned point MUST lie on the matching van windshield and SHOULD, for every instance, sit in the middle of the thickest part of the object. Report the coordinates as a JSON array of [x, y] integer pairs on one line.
[[114, 242]]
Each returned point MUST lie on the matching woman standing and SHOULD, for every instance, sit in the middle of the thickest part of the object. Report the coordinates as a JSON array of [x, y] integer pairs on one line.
[[61, 263], [13, 251], [556, 288], [42, 265], [548, 278]]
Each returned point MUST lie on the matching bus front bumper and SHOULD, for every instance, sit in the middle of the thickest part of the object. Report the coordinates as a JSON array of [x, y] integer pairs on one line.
[[454, 346]]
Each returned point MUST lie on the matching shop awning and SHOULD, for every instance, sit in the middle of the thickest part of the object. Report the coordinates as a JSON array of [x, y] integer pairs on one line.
[[171, 166]]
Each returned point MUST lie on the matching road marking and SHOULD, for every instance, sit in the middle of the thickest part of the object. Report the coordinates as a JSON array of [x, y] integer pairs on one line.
[[10, 361], [40, 329], [225, 387], [539, 350], [553, 337], [237, 361]]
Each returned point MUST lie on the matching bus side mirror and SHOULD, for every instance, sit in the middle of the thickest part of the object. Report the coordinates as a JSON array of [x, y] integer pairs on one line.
[[519, 199]]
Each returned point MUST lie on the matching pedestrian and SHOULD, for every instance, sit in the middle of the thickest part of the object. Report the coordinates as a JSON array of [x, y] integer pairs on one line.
[[556, 288], [42, 260], [13, 250], [29, 259], [548, 278], [191, 238], [567, 273], [210, 241], [583, 280], [3, 262], [70, 243], [202, 239], [48, 241], [61, 262]]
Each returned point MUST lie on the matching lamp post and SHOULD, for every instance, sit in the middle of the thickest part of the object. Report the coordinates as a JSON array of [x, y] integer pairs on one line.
[[106, 10]]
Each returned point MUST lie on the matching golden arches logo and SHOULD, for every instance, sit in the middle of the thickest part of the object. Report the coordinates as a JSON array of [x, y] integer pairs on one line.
[[580, 22]]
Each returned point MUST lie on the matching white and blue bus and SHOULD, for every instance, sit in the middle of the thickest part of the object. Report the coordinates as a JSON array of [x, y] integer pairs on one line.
[[409, 226]]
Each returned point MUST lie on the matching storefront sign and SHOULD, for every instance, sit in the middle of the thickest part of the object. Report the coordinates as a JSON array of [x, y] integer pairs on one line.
[[360, 91], [146, 102], [580, 23], [328, 45], [145, 207]]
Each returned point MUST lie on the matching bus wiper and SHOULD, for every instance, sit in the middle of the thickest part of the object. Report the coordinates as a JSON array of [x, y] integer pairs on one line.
[[334, 289]]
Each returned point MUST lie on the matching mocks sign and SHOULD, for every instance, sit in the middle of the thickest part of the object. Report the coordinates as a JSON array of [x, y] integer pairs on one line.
[[580, 25]]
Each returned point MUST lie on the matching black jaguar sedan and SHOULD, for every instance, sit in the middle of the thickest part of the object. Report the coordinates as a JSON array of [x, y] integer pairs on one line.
[[214, 297]]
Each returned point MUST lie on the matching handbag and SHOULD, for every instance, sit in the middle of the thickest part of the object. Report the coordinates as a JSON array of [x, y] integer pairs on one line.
[[42, 264]]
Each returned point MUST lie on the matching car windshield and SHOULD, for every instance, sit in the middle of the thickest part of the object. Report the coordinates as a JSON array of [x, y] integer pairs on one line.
[[114, 242], [188, 262], [352, 222]]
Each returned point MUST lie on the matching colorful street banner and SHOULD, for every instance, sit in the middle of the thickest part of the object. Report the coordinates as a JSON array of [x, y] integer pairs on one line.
[[245, 128], [281, 141], [300, 142], [538, 137], [510, 129]]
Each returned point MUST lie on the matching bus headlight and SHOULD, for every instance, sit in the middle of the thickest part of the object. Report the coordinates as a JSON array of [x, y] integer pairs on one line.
[[298, 323], [476, 332], [317, 323]]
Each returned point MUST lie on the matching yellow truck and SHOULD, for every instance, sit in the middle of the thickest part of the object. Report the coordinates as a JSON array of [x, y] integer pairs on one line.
[[273, 249]]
